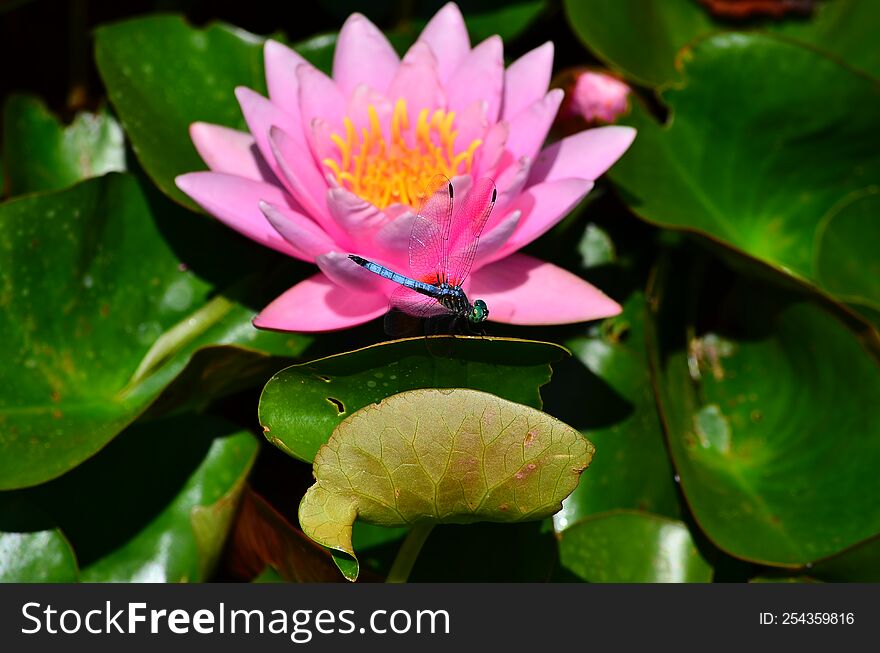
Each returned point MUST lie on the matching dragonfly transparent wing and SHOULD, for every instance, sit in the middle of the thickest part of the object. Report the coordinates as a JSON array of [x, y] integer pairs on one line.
[[412, 303], [428, 243], [467, 223]]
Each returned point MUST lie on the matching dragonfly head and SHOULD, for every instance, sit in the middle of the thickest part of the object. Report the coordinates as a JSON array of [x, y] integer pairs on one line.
[[479, 312]]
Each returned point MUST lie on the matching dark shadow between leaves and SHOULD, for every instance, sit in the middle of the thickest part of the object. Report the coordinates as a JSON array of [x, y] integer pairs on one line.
[[572, 387], [103, 503]]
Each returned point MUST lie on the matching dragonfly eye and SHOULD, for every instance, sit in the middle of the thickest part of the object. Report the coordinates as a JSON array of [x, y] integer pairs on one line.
[[479, 312]]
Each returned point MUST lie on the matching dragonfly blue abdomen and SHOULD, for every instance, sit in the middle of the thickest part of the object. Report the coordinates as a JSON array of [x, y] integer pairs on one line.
[[419, 286]]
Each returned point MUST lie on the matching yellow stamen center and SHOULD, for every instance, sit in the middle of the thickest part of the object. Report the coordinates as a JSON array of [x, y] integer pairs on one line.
[[398, 170]]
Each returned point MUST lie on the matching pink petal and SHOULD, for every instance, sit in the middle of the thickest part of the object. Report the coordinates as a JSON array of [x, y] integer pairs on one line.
[[585, 155], [363, 56], [318, 304], [357, 217], [321, 143], [235, 202], [494, 238], [229, 150], [543, 206], [447, 36], [358, 108], [523, 290], [298, 230], [529, 128], [526, 80], [281, 64], [260, 115], [480, 76], [510, 184], [417, 82], [393, 238], [488, 157], [319, 97], [471, 124], [303, 179], [344, 272]]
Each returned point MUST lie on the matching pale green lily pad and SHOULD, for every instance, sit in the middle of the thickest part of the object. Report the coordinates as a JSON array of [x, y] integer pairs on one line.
[[440, 456], [43, 154], [36, 557]]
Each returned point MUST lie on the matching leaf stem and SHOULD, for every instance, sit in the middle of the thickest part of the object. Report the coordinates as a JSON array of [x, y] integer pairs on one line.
[[409, 551]]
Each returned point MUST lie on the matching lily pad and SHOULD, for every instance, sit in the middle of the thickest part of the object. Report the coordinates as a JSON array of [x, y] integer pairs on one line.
[[100, 314], [760, 177], [848, 258], [41, 557], [641, 38], [42, 154], [507, 19], [440, 456], [632, 547], [32, 548], [768, 403], [162, 75], [301, 405], [612, 404], [860, 564]]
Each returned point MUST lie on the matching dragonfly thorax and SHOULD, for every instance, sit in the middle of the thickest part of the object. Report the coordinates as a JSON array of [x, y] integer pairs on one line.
[[453, 299]]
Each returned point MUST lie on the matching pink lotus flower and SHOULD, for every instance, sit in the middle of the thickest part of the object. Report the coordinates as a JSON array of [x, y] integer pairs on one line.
[[334, 166], [598, 97]]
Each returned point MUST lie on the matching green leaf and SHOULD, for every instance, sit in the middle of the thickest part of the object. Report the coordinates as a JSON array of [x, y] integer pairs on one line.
[[848, 261], [860, 564], [100, 314], [507, 19], [758, 177], [40, 557], [301, 405], [768, 404], [632, 547], [162, 75], [268, 575], [612, 403], [156, 504], [596, 247], [445, 456], [483, 18], [42, 154], [318, 50], [32, 549], [641, 38]]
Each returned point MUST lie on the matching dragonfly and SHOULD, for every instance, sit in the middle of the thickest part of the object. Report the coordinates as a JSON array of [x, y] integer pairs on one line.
[[442, 247]]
